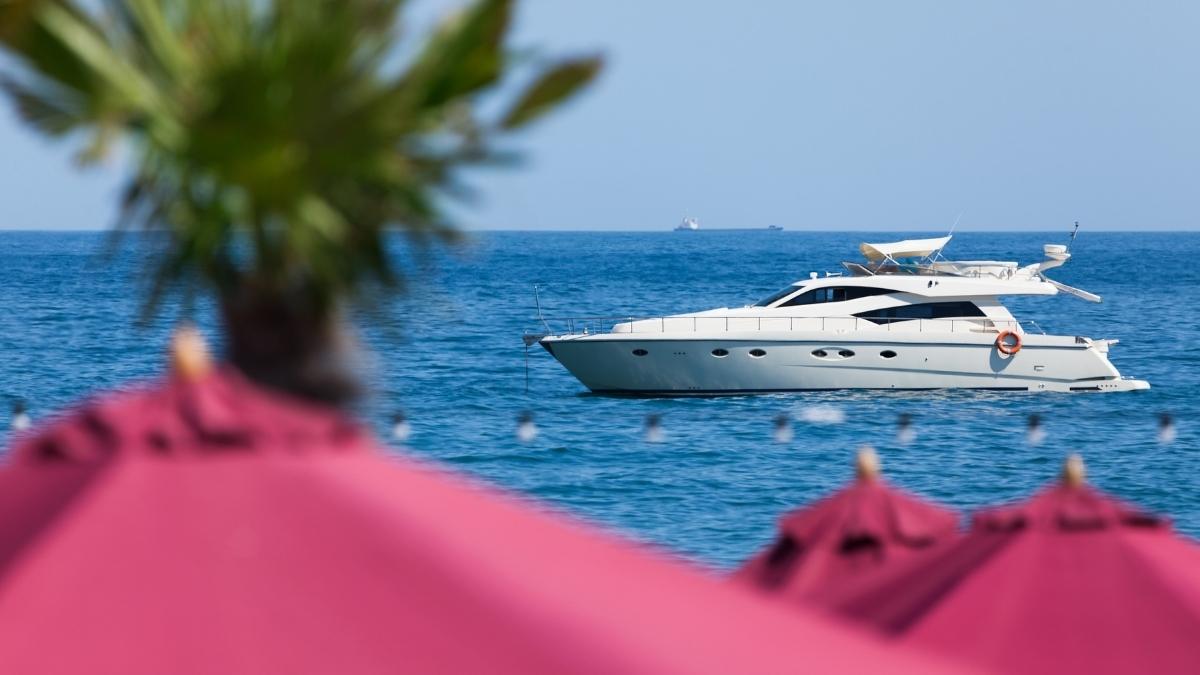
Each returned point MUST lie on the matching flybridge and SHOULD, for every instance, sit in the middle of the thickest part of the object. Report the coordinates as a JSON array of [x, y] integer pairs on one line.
[[908, 257], [909, 248], [923, 257]]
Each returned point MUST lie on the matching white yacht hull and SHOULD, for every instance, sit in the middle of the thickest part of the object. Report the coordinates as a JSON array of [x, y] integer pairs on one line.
[[676, 364]]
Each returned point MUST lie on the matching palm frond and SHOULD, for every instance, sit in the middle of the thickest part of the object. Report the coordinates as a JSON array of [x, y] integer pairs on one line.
[[41, 107], [276, 146], [555, 86]]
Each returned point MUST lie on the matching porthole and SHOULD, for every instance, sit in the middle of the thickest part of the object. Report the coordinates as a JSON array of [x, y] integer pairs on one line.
[[720, 353], [640, 352], [888, 354], [845, 353], [757, 353], [820, 353]]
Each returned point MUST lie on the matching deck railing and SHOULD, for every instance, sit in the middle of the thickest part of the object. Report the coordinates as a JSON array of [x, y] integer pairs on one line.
[[741, 323]]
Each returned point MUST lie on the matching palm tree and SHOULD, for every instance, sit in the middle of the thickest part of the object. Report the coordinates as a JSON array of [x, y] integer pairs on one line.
[[276, 143]]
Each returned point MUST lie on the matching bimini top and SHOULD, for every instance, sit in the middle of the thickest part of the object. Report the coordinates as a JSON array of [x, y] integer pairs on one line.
[[909, 248]]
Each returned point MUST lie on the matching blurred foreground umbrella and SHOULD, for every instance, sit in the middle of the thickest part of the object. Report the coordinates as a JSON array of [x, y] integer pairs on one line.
[[854, 531], [208, 526], [1072, 581]]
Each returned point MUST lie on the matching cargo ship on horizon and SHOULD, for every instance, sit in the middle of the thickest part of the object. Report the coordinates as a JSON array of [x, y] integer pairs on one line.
[[690, 224]]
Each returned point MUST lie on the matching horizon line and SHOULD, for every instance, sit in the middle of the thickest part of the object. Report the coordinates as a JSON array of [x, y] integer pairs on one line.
[[483, 230]]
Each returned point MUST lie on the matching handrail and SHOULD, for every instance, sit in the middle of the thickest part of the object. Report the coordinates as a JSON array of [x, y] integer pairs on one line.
[[894, 269], [589, 325], [656, 317]]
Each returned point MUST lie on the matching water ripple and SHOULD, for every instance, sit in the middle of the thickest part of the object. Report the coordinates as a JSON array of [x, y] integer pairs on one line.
[[450, 355]]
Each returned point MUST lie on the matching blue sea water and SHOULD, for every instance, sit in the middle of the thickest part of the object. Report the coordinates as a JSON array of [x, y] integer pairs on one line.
[[449, 354]]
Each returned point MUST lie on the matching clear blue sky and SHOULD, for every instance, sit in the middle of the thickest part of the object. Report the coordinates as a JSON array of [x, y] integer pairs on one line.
[[831, 115]]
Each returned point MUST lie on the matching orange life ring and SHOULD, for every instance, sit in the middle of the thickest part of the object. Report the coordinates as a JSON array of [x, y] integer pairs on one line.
[[1004, 347]]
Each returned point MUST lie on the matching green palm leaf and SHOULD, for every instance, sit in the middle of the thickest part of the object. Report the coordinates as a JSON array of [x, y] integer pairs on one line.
[[276, 125], [555, 86], [276, 146]]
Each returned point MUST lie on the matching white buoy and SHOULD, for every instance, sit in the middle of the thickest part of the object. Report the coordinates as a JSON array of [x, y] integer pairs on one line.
[[20, 419], [401, 429], [654, 432], [905, 431], [1166, 429], [527, 431], [1035, 433], [783, 429]]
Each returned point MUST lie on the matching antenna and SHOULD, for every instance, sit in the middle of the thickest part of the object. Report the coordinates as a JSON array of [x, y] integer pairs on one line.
[[937, 255], [537, 301], [1074, 233], [960, 214]]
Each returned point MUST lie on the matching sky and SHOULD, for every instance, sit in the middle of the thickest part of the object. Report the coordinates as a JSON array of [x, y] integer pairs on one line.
[[1015, 115]]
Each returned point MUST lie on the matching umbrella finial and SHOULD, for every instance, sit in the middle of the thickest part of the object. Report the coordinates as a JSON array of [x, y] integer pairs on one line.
[[189, 353], [1074, 472], [866, 464]]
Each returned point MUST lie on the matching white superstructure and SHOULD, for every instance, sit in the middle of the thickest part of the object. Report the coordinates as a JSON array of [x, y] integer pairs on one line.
[[904, 319]]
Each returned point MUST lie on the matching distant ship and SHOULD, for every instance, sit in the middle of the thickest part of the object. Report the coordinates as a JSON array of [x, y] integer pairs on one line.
[[690, 224]]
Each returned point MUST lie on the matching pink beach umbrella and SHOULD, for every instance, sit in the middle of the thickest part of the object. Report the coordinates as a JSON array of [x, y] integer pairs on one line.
[[1072, 581], [839, 539], [205, 525]]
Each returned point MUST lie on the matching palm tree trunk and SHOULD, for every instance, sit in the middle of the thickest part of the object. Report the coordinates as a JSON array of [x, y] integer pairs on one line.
[[287, 342]]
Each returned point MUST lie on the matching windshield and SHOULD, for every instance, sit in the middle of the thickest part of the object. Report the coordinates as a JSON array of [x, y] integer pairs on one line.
[[775, 297]]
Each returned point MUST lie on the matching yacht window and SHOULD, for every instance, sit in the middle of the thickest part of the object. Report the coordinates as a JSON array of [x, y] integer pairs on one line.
[[927, 310], [757, 353], [841, 293], [808, 298], [845, 353], [640, 352], [888, 354], [720, 353], [776, 297], [820, 353], [834, 294]]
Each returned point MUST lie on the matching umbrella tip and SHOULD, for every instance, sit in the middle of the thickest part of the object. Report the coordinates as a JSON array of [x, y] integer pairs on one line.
[[189, 353], [1074, 472], [866, 464]]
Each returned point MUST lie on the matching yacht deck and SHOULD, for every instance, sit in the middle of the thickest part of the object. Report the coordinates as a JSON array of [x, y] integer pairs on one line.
[[774, 323]]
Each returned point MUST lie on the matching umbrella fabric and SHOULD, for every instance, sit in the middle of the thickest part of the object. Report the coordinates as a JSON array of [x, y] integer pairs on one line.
[[834, 542], [1072, 581], [212, 527]]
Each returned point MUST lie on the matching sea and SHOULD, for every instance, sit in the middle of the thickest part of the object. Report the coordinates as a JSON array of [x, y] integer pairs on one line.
[[447, 353]]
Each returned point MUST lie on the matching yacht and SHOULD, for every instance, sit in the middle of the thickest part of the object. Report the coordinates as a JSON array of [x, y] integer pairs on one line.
[[903, 318]]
